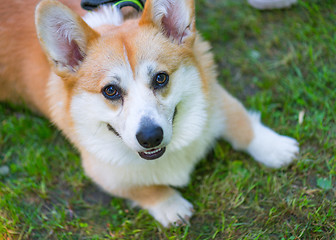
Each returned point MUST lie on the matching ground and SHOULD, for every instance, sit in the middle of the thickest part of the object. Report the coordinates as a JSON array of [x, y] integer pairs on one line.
[[281, 63]]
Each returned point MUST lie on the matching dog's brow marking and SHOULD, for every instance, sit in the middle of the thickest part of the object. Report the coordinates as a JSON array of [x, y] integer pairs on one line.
[[115, 78], [150, 71]]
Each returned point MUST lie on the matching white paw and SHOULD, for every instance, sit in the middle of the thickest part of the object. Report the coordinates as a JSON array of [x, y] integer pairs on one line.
[[173, 211], [270, 148]]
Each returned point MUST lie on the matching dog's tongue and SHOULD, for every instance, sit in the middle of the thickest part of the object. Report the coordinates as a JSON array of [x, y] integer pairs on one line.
[[152, 154]]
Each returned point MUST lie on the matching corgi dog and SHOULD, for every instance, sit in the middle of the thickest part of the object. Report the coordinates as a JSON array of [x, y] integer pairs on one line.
[[138, 98]]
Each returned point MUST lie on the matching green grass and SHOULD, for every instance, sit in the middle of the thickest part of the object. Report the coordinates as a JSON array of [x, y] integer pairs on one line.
[[278, 62]]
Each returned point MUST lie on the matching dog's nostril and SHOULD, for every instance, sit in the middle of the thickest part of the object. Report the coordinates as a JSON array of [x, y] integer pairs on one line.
[[150, 136]]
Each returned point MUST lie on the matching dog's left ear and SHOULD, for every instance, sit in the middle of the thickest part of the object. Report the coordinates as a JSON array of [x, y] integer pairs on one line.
[[175, 18], [64, 36]]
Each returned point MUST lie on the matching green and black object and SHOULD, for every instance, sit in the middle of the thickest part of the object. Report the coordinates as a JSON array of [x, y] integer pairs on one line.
[[93, 4]]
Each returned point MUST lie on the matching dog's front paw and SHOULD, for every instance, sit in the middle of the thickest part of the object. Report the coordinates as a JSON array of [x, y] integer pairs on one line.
[[270, 148], [174, 211]]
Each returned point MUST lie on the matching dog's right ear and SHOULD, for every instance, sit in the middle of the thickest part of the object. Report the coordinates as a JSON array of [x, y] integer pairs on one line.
[[63, 35], [174, 18]]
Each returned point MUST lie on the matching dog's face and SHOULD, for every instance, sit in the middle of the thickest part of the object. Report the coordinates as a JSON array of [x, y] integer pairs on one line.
[[131, 87]]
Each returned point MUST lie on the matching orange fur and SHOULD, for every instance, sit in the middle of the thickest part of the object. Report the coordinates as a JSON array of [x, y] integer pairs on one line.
[[239, 131], [149, 195], [20, 54]]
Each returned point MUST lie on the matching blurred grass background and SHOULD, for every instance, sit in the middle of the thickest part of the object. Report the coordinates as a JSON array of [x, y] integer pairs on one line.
[[279, 62]]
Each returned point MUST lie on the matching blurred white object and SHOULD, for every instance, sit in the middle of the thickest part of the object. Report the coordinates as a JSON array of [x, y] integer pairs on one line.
[[301, 116], [271, 4], [4, 170]]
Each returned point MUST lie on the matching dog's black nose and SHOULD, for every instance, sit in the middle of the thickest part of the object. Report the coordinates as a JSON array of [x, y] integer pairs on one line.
[[150, 136]]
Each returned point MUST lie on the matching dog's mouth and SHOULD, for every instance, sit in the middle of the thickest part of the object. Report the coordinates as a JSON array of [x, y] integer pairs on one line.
[[153, 153]]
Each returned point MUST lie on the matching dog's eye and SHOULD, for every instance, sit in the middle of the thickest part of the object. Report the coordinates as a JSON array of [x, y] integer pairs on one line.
[[160, 80], [111, 92]]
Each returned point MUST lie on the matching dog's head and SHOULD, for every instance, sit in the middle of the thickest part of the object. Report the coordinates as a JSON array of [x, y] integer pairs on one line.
[[133, 90]]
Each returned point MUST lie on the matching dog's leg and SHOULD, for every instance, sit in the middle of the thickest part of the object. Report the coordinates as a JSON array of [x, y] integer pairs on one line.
[[164, 203], [245, 131]]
